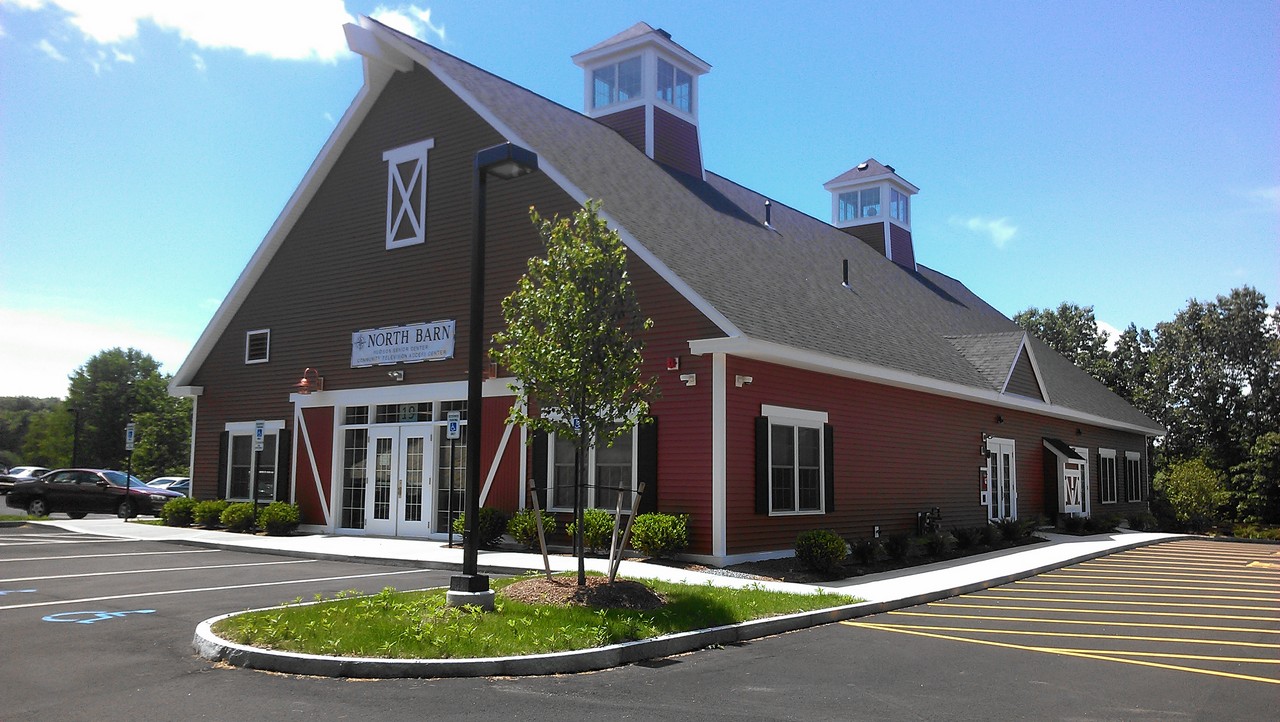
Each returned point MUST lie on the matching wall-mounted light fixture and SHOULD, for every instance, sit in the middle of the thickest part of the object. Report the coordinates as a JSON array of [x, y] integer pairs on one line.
[[1079, 432], [999, 419], [396, 375], [311, 381], [689, 379], [739, 380]]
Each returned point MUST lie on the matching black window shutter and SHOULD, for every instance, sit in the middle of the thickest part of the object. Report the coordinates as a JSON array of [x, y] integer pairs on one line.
[[647, 465], [539, 471], [828, 468], [762, 464], [284, 462], [224, 443]]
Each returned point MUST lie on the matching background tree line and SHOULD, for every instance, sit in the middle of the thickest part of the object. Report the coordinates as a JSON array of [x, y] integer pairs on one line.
[[1211, 377], [111, 389]]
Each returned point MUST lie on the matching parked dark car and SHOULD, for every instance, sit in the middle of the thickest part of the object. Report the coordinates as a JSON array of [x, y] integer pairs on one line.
[[20, 473], [78, 492]]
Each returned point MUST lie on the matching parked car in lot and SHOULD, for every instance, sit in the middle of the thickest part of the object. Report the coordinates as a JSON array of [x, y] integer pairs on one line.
[[180, 484], [20, 473], [78, 492]]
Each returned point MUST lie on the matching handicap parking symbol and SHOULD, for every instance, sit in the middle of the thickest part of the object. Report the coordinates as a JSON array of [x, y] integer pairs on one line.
[[91, 617], [16, 591]]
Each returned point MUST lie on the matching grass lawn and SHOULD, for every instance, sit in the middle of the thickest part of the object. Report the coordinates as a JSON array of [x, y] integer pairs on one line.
[[419, 625]]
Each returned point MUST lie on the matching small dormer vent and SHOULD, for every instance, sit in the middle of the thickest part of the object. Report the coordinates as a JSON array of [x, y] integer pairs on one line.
[[768, 213]]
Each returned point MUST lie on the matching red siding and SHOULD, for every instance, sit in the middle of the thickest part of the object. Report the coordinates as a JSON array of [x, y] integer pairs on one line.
[[629, 123], [675, 143], [904, 253]]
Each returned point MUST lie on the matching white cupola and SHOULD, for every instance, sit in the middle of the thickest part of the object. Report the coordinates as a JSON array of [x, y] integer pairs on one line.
[[873, 203], [645, 86]]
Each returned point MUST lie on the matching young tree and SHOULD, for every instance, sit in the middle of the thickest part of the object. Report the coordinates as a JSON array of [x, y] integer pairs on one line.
[[571, 340], [1195, 491], [1072, 331]]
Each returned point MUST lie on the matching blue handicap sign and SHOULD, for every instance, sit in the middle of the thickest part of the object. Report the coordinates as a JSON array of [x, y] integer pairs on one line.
[[91, 617]]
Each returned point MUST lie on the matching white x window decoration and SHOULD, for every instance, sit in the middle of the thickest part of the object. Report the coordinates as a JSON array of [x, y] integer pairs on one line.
[[407, 194]]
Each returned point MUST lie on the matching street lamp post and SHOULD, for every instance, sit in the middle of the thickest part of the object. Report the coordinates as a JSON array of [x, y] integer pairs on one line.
[[75, 437], [504, 161]]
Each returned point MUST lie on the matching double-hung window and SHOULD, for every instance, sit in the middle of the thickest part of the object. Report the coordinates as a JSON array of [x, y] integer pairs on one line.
[[1133, 475], [793, 462], [252, 472], [1107, 475], [611, 472]]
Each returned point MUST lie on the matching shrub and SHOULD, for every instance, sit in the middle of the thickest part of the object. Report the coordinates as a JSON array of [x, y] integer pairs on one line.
[[936, 543], [660, 535], [821, 550], [523, 527], [988, 534], [866, 551], [898, 546], [1071, 524], [279, 518], [1012, 529], [491, 527], [238, 517], [1142, 521], [208, 513], [1101, 523], [966, 536], [178, 512], [597, 529], [1256, 531], [1194, 491]]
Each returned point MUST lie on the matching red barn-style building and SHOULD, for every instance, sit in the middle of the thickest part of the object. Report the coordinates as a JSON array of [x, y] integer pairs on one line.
[[813, 374]]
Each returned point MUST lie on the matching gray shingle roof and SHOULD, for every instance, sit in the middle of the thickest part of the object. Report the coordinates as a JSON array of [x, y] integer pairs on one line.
[[992, 354], [779, 283]]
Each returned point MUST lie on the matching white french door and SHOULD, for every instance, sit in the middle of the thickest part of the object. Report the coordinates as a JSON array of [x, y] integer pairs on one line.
[[400, 468], [1001, 470]]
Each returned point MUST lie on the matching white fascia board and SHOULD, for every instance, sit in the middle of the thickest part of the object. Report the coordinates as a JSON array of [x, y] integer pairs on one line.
[[823, 363], [185, 391], [630, 46], [376, 77], [366, 44], [548, 169]]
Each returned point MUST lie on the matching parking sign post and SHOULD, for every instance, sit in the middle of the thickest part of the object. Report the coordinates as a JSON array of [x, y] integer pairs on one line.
[[130, 433]]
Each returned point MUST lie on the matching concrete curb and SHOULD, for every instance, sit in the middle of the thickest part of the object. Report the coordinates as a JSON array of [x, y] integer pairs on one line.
[[212, 647]]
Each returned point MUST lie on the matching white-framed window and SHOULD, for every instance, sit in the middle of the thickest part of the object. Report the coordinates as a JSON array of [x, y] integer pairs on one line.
[[859, 204], [257, 346], [407, 194], [246, 466], [615, 83], [899, 206], [797, 458], [675, 86], [611, 471], [1133, 475], [1107, 475]]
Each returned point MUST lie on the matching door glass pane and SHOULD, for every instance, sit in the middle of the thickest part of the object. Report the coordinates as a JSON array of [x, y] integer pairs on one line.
[[414, 446], [382, 479], [354, 473], [451, 464]]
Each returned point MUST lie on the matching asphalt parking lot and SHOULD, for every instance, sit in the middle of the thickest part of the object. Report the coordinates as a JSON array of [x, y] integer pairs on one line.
[[1202, 608]]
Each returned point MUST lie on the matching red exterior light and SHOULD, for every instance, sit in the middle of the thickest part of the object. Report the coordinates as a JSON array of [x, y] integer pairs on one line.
[[311, 381]]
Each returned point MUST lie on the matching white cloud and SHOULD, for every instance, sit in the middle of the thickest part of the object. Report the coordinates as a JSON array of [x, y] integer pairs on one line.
[[1268, 197], [122, 57], [47, 48], [198, 62], [412, 20], [42, 349], [1000, 230], [277, 29]]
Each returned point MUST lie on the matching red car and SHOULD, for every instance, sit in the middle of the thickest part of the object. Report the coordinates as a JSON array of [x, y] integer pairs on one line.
[[78, 492]]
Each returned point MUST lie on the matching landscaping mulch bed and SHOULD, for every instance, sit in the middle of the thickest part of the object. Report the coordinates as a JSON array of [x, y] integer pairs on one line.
[[598, 593]]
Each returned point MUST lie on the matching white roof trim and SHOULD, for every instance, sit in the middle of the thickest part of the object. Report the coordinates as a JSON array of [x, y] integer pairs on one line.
[[848, 368], [1035, 369], [568, 186], [375, 81]]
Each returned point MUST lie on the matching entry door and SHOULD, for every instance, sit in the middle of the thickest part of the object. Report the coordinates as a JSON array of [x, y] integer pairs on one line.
[[397, 497], [1003, 502]]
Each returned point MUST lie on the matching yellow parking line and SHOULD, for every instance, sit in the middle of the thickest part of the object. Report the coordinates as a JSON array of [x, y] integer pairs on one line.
[[1144, 594], [1140, 567], [1267, 564], [1143, 585], [1068, 653], [1192, 559], [1077, 635], [1189, 615], [1087, 622], [1235, 607], [1164, 576]]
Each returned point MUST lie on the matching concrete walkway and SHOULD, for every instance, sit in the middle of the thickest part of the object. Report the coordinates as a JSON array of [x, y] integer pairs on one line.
[[883, 592]]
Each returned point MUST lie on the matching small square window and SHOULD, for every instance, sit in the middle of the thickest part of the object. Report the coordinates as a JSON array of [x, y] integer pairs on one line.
[[257, 346]]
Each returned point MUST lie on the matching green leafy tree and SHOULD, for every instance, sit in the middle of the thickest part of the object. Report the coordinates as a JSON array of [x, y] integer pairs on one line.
[[16, 413], [1130, 374], [1255, 484], [572, 340], [163, 439], [48, 438], [1072, 331], [1215, 373], [1195, 491]]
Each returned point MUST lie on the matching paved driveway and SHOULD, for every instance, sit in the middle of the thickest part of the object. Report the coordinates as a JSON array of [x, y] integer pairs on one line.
[[1199, 608]]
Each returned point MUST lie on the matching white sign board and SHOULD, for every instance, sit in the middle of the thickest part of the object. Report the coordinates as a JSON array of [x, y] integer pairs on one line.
[[454, 429], [403, 344], [259, 431], [130, 431]]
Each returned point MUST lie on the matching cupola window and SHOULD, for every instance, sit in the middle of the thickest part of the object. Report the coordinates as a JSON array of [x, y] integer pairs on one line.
[[899, 206], [675, 86], [616, 83], [859, 204]]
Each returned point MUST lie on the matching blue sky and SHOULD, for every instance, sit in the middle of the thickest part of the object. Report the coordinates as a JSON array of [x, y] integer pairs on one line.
[[1115, 154]]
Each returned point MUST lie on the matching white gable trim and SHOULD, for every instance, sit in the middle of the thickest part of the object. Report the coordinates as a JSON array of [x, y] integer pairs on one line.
[[375, 80], [565, 184], [1035, 368], [848, 368]]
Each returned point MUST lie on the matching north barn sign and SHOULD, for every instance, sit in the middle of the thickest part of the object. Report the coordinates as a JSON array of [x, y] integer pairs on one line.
[[403, 344]]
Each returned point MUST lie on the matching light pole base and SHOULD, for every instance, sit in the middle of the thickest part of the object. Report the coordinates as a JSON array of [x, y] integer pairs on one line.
[[472, 589]]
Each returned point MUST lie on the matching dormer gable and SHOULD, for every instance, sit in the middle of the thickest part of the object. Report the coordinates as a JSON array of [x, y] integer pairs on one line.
[[873, 203], [645, 86]]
